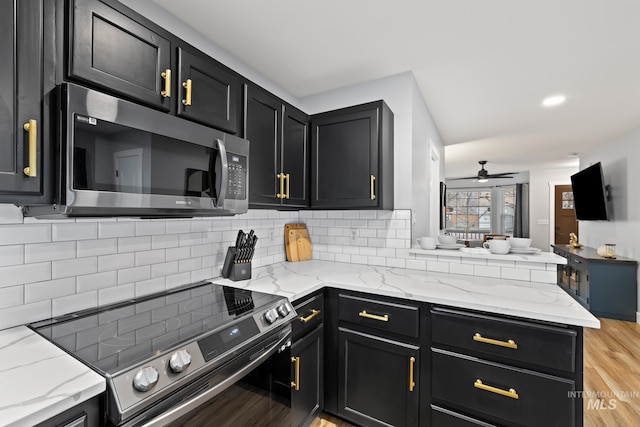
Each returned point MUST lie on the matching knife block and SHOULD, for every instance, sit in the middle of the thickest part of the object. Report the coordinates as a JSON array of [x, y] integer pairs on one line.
[[235, 270]]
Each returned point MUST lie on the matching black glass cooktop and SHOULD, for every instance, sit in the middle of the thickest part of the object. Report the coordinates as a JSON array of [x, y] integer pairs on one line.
[[116, 337]]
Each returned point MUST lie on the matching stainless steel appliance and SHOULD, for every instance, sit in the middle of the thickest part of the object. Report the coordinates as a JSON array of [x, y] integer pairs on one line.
[[117, 158], [166, 355]]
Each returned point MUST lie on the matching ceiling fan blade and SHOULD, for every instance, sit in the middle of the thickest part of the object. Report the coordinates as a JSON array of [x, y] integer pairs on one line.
[[466, 177], [502, 175]]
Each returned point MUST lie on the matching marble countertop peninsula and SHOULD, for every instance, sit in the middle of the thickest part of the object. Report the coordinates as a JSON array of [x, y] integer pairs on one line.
[[481, 253], [38, 380], [530, 300]]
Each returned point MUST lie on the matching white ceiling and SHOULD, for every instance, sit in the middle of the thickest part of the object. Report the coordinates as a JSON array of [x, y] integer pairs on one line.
[[483, 66]]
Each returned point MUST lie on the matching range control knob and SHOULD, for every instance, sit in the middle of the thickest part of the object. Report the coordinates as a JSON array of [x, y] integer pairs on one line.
[[145, 379], [179, 361], [284, 309], [271, 316]]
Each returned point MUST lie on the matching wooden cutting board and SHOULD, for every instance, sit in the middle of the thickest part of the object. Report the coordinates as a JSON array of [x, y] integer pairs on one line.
[[297, 242]]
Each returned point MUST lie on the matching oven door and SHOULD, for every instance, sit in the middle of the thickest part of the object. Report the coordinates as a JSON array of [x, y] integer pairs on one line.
[[126, 159], [217, 398]]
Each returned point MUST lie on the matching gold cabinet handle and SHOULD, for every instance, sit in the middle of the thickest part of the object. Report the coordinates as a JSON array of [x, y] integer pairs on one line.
[[412, 383], [509, 344], [313, 314], [288, 177], [166, 75], [383, 318], [373, 187], [295, 384], [281, 194], [508, 393], [187, 93], [32, 128]]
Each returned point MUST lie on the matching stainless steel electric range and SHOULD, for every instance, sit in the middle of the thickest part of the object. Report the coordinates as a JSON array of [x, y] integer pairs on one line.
[[164, 355]]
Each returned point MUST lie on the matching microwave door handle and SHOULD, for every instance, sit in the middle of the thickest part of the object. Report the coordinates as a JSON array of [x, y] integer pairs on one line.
[[219, 144]]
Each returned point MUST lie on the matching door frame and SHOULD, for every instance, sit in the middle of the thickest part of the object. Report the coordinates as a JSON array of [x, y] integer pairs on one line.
[[552, 208]]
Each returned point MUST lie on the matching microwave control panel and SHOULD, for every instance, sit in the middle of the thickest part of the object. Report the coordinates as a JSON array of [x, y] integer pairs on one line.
[[237, 186]]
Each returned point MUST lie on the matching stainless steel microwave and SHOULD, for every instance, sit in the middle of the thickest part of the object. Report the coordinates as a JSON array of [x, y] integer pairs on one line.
[[117, 158]]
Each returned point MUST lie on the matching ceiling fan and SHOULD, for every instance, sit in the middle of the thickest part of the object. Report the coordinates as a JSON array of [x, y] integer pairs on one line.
[[484, 175]]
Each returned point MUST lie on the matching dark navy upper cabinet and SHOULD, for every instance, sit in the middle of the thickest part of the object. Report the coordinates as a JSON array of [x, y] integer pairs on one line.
[[120, 54], [352, 158], [21, 100]]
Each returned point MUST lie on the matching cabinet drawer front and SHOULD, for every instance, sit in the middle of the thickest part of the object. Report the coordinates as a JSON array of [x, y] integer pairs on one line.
[[441, 417], [386, 316], [525, 342], [501, 393], [310, 314]]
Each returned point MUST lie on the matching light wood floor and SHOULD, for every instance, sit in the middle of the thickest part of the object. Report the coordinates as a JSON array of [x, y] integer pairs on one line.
[[611, 371]]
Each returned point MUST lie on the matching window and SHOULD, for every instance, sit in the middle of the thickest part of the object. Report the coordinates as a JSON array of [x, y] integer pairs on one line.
[[481, 210], [469, 210]]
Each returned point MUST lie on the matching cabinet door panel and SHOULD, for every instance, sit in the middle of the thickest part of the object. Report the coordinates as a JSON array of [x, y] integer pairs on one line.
[[119, 54], [345, 152], [374, 380], [307, 400], [295, 156], [215, 92], [20, 96], [263, 116]]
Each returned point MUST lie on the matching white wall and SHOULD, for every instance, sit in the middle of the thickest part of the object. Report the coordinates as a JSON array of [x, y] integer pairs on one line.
[[541, 191]]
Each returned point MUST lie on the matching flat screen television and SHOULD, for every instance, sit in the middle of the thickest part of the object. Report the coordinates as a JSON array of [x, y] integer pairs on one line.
[[590, 194]]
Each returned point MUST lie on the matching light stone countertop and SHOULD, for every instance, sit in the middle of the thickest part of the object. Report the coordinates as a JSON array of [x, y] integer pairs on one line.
[[38, 380], [529, 300], [541, 257]]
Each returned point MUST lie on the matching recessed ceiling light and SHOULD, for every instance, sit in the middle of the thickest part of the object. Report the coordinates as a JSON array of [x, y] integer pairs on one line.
[[554, 100]]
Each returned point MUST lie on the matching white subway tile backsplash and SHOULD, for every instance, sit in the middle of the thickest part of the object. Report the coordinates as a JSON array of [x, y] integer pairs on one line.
[[174, 254], [396, 262], [108, 230], [24, 273], [115, 262], [149, 257], [21, 234], [134, 244], [359, 259], [11, 296], [91, 282], [368, 214], [74, 231], [74, 267], [96, 247], [41, 291], [168, 241], [466, 269], [543, 276], [516, 273], [437, 266], [49, 251], [178, 226], [165, 269], [150, 228], [416, 264], [11, 255], [501, 263], [486, 271], [26, 313], [180, 279], [116, 294], [147, 287], [76, 302], [135, 274], [189, 264]]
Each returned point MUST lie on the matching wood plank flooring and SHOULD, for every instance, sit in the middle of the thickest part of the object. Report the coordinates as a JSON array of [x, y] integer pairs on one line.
[[612, 374]]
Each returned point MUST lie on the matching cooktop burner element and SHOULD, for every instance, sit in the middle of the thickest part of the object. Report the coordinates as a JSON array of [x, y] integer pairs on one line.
[[150, 347]]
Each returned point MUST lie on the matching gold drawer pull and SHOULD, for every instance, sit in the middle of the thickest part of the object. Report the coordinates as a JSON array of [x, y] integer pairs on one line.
[[166, 75], [187, 85], [295, 384], [412, 383], [373, 187], [281, 194], [313, 314], [509, 344], [32, 128], [384, 318], [508, 393], [288, 177]]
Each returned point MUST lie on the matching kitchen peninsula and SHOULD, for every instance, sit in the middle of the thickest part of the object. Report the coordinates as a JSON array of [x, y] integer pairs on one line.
[[541, 306]]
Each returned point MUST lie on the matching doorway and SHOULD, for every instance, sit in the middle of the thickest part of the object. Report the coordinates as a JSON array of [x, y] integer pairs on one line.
[[564, 215], [128, 170]]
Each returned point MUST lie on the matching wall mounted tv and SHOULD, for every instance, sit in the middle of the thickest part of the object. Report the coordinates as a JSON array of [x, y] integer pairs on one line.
[[590, 194]]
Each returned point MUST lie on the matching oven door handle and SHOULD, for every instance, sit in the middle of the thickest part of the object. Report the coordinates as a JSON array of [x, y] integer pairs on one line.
[[185, 407]]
